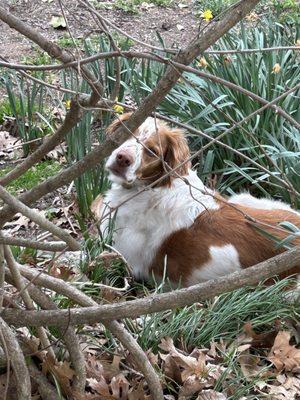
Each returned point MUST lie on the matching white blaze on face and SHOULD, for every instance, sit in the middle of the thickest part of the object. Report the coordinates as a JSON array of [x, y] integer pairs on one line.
[[134, 150]]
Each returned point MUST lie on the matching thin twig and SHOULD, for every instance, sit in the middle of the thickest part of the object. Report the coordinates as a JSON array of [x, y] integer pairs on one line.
[[259, 50]]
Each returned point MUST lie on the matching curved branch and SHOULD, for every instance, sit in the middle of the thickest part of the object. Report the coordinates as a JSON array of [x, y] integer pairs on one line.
[[248, 51], [18, 282], [181, 67], [17, 361]]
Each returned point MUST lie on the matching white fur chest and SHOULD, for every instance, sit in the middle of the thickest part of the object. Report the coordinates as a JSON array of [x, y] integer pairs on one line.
[[144, 222]]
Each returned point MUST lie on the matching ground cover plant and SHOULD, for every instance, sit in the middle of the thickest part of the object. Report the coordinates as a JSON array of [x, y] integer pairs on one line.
[[242, 344]]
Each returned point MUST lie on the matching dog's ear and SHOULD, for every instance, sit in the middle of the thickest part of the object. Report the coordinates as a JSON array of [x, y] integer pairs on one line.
[[117, 122], [177, 152]]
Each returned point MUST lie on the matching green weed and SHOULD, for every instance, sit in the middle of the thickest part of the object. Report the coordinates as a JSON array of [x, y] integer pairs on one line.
[[33, 176], [133, 6]]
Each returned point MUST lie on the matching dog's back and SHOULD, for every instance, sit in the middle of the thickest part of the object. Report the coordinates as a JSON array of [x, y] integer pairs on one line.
[[225, 240]]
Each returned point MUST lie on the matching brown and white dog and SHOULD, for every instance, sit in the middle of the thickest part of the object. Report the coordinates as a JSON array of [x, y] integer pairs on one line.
[[178, 223]]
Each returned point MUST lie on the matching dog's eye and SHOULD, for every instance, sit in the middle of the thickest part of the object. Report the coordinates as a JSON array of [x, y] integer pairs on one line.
[[151, 152]]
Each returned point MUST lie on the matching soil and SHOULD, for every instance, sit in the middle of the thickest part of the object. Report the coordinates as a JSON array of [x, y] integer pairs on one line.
[[177, 25]]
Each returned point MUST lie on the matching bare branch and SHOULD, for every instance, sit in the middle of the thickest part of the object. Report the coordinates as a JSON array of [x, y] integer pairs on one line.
[[33, 244], [68, 335], [17, 361], [249, 51], [2, 276]]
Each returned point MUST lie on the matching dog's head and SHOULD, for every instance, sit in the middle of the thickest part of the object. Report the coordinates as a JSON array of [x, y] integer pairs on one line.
[[153, 150]]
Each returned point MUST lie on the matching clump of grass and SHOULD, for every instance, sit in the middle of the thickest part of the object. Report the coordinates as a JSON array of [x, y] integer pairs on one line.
[[133, 6], [216, 6], [220, 318], [26, 103], [67, 41]]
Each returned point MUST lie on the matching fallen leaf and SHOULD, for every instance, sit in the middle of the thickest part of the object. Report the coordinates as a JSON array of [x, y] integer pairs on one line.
[[119, 386], [9, 146], [211, 395], [249, 365], [146, 6], [94, 367], [171, 369], [261, 340], [191, 386], [61, 370], [138, 392], [99, 386], [283, 355], [58, 22]]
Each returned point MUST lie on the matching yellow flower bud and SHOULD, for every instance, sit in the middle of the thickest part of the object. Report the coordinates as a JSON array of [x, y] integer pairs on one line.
[[276, 68], [68, 104], [202, 62], [118, 109], [207, 15]]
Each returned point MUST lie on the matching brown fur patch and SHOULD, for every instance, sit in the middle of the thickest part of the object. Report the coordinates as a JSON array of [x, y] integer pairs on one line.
[[163, 151], [188, 249]]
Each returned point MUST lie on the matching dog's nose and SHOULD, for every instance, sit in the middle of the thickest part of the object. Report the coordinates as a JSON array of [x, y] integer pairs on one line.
[[123, 159]]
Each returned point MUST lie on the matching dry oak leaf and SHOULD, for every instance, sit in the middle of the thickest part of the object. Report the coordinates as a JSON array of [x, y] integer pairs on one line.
[[249, 365], [211, 395], [261, 340], [61, 370], [120, 387], [190, 365], [94, 367], [100, 386], [191, 386], [283, 355], [288, 388], [138, 392]]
